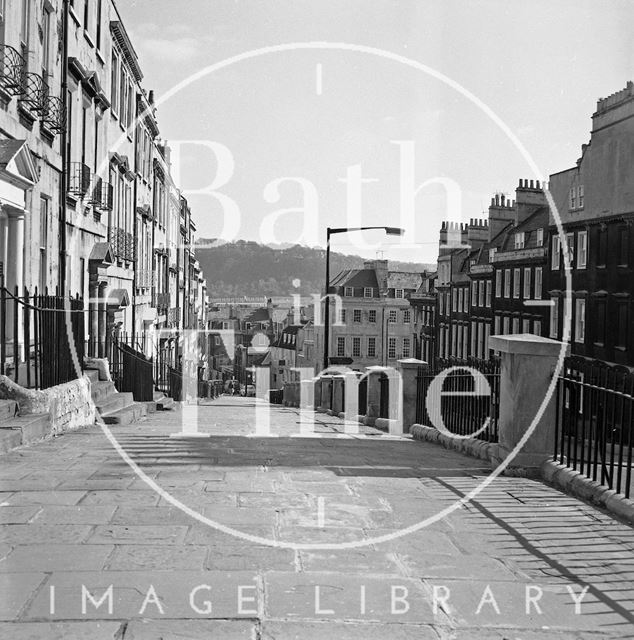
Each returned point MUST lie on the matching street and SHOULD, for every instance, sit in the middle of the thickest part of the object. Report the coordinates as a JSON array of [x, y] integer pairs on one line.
[[89, 550]]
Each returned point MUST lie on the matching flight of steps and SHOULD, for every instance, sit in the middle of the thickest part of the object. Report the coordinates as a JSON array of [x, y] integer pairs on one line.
[[114, 407], [18, 430]]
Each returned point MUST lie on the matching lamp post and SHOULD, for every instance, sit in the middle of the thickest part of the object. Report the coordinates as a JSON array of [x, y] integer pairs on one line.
[[390, 231]]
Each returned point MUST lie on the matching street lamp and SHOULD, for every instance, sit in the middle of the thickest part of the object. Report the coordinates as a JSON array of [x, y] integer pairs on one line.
[[390, 231]]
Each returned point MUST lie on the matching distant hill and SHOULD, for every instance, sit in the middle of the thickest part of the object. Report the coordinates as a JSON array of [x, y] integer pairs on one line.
[[251, 269]]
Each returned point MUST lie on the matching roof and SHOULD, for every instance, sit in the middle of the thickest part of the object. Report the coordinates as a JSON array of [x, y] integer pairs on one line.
[[404, 280], [359, 278], [288, 338], [258, 315]]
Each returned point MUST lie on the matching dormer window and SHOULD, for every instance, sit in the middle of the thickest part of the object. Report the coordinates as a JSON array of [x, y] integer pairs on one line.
[[539, 237], [398, 293], [368, 292], [492, 253], [519, 240], [348, 292], [577, 197]]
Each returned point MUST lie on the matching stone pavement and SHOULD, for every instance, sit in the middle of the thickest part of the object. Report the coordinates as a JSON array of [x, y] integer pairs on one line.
[[89, 550]]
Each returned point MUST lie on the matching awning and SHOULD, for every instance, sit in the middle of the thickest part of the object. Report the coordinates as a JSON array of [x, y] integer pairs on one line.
[[17, 166]]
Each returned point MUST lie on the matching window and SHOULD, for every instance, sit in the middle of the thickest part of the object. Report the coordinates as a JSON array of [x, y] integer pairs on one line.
[[341, 346], [602, 246], [516, 325], [555, 254], [600, 308], [489, 286], [454, 299], [392, 316], [368, 292], [497, 325], [570, 241], [498, 283], [474, 291], [539, 237], [624, 246], [519, 240], [506, 324], [492, 253], [526, 326], [98, 30], [572, 204], [406, 347], [580, 196], [460, 299], [441, 305], [465, 308], [372, 315], [44, 216], [342, 316], [391, 348], [582, 249], [527, 285], [407, 316], [580, 320], [356, 347], [554, 318], [537, 327], [46, 44], [114, 84], [371, 347], [507, 283], [538, 283], [356, 315], [24, 32], [622, 321], [399, 293], [348, 292], [481, 293], [473, 338]]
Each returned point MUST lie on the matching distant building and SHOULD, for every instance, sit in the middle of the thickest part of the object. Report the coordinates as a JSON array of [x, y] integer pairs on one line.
[[375, 323]]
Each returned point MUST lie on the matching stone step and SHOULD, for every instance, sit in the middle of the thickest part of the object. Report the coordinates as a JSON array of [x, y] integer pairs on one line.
[[114, 402], [126, 415], [101, 390], [92, 374], [8, 409], [28, 429]]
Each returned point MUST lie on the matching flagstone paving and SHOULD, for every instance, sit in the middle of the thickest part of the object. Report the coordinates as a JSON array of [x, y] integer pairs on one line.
[[306, 538]]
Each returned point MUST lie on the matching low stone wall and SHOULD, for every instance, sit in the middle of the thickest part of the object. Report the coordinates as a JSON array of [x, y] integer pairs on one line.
[[68, 405], [469, 446]]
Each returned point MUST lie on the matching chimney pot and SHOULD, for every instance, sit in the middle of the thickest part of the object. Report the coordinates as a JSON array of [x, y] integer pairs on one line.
[[531, 185]]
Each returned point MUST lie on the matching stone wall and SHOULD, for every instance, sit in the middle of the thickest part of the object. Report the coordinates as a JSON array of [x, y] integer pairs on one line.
[[68, 405]]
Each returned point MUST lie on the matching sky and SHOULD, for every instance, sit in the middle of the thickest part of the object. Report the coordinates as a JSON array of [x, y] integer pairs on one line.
[[280, 144]]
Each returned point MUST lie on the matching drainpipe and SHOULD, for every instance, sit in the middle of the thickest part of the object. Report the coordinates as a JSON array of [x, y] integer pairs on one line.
[[63, 152]]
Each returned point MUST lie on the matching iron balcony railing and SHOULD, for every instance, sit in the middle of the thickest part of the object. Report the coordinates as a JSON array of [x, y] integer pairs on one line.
[[123, 244], [36, 94], [12, 66], [161, 301], [79, 177], [54, 115]]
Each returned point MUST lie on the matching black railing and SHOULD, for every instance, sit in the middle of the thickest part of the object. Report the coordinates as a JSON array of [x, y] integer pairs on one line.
[[36, 93], [12, 75], [133, 372], [465, 407], [54, 115], [79, 177], [594, 429], [41, 337]]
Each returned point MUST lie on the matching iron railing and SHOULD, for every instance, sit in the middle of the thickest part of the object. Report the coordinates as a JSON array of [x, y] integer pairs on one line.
[[36, 93], [464, 407], [363, 396], [12, 75], [79, 178], [594, 428], [54, 115], [132, 371], [41, 337]]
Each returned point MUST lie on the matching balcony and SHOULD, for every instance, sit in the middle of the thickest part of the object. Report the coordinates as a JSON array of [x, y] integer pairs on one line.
[[144, 278], [78, 179], [36, 94], [12, 76], [123, 244], [173, 315], [54, 115]]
